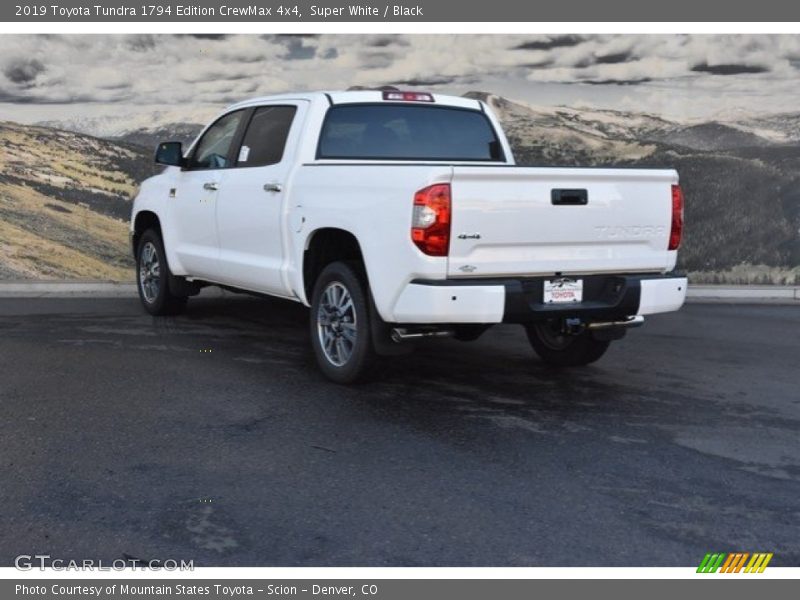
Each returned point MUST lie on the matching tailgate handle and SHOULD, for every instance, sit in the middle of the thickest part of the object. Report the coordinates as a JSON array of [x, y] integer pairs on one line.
[[569, 197]]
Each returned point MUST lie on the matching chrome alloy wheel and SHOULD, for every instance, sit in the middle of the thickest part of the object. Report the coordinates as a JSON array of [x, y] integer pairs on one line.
[[149, 272], [336, 324]]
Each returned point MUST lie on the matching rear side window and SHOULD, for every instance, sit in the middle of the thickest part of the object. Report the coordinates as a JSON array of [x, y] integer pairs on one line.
[[407, 132], [265, 139]]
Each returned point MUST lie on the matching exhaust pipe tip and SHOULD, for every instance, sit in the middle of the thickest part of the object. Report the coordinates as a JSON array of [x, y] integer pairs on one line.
[[635, 321], [401, 334]]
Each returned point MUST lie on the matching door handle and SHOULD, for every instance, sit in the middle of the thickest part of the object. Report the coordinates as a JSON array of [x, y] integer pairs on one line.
[[273, 187], [211, 186]]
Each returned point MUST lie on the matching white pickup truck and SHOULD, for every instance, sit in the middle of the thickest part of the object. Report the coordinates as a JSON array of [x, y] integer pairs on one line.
[[398, 215]]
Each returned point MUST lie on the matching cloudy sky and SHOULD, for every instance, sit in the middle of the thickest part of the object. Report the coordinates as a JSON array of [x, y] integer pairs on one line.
[[51, 77]]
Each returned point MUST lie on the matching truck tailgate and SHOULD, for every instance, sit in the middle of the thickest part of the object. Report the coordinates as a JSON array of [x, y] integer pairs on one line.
[[533, 221]]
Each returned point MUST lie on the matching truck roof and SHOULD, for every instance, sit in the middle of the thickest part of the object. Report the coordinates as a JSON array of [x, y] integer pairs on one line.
[[361, 96]]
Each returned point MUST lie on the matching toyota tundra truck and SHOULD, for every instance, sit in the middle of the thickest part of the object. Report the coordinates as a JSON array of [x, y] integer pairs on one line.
[[398, 215]]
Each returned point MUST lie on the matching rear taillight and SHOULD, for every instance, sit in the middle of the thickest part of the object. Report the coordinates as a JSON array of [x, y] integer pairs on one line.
[[676, 231], [430, 225]]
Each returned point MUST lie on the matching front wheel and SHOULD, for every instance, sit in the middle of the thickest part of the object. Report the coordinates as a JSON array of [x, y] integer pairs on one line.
[[153, 277], [559, 349], [340, 323]]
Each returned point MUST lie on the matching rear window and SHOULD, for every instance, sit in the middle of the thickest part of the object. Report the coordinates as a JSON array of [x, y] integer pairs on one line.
[[407, 132], [265, 140]]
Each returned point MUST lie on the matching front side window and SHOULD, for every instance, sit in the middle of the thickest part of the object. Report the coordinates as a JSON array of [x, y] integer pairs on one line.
[[408, 132], [214, 147], [265, 140]]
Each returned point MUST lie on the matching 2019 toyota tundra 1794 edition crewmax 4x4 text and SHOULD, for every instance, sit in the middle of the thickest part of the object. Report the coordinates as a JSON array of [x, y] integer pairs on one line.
[[397, 215]]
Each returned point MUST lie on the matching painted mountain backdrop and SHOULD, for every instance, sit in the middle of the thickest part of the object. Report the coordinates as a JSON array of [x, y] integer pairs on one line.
[[64, 199], [741, 178], [66, 187]]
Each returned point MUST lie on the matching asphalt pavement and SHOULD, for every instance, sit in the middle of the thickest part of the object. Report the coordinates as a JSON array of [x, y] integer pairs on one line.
[[212, 437]]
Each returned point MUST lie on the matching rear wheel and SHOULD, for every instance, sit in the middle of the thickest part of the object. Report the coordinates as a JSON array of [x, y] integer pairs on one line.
[[560, 349], [153, 276], [340, 323]]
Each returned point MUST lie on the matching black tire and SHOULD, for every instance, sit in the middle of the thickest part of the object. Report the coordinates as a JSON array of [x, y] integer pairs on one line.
[[564, 350], [341, 334], [153, 281]]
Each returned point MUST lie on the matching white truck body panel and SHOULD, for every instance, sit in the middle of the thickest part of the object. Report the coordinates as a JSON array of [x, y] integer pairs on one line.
[[624, 227], [243, 235], [344, 197], [251, 220]]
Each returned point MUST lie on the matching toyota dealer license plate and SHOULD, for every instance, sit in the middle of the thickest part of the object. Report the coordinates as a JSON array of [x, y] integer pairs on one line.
[[557, 291]]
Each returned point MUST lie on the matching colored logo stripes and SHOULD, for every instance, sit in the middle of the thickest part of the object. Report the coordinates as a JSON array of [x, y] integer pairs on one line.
[[734, 562]]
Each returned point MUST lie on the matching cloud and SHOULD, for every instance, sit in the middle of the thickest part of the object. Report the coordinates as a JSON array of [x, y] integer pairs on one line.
[[384, 41], [141, 43], [617, 81], [549, 43], [6, 96], [374, 59], [130, 71], [613, 59], [23, 71], [296, 47], [433, 81], [217, 37], [729, 69]]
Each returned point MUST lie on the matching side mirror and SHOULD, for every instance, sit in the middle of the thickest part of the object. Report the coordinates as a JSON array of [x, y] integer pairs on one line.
[[171, 154]]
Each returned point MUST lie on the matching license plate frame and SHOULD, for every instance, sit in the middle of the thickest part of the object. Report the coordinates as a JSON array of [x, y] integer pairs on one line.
[[562, 291]]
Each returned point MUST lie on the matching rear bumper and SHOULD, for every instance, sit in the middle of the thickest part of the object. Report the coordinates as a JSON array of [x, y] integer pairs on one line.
[[605, 298]]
